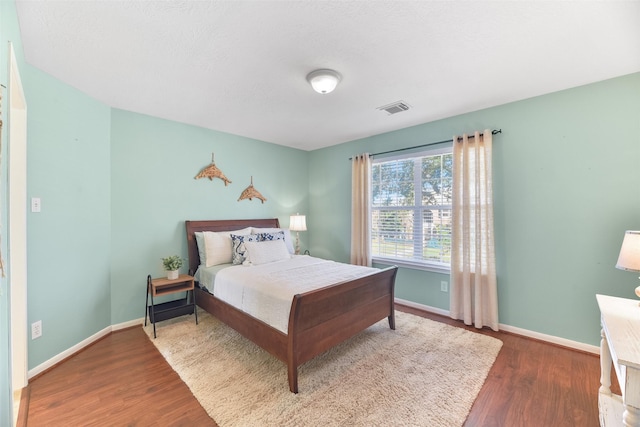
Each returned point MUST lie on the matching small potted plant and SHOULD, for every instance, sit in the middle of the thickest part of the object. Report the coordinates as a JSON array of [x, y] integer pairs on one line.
[[172, 264]]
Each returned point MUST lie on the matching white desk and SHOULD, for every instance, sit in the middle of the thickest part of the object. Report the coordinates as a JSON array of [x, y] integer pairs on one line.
[[620, 344]]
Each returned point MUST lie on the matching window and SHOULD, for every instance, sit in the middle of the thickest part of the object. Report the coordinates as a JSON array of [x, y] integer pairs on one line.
[[411, 209]]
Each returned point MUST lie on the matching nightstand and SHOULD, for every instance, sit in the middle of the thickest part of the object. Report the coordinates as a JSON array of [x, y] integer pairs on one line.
[[170, 309]]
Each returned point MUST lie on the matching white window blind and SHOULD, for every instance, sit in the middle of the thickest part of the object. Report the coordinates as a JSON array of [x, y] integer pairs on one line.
[[411, 209]]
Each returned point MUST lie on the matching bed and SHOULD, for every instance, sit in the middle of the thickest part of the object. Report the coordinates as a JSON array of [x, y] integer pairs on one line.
[[318, 319]]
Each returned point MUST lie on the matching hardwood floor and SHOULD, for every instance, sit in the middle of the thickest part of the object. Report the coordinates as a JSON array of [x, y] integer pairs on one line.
[[534, 383], [122, 380]]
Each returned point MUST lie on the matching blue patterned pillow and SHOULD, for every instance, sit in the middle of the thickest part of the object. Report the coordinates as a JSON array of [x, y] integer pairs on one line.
[[267, 237], [238, 254]]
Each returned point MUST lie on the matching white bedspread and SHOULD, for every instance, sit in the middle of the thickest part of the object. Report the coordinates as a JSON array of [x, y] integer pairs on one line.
[[266, 291]]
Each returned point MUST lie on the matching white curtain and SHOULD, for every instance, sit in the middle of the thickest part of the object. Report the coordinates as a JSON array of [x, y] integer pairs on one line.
[[360, 210], [474, 291]]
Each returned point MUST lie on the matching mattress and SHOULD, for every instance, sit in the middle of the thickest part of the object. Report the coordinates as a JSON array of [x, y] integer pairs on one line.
[[266, 291], [206, 276]]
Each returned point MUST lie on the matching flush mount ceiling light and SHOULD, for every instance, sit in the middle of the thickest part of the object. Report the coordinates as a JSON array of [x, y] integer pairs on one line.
[[324, 81]]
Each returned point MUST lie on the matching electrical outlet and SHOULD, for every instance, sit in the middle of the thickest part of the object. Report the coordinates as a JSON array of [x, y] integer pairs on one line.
[[36, 329], [444, 286]]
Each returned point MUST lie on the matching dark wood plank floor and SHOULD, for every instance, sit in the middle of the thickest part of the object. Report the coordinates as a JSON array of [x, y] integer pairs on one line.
[[122, 380], [534, 383]]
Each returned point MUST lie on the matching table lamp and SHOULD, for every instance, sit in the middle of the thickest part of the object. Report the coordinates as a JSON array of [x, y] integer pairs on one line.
[[298, 223], [629, 258]]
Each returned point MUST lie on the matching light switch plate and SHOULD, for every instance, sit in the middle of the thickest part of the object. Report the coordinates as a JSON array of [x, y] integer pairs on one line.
[[35, 204]]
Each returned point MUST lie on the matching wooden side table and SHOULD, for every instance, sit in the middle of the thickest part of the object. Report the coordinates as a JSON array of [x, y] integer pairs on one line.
[[169, 309]]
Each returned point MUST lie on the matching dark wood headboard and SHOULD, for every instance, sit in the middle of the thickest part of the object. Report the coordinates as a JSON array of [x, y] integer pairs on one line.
[[219, 225]]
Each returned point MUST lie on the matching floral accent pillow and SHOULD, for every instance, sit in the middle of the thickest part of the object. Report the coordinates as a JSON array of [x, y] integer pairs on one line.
[[238, 254]]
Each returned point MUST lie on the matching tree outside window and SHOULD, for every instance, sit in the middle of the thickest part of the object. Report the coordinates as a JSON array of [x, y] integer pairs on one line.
[[411, 229]]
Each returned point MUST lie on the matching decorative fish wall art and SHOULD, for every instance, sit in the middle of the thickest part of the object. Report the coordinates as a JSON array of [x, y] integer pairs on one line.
[[212, 171], [250, 192]]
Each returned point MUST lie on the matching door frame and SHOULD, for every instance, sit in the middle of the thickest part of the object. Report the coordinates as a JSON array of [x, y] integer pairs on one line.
[[17, 224]]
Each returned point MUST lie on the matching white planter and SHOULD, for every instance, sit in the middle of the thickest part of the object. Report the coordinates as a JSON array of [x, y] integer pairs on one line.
[[171, 275]]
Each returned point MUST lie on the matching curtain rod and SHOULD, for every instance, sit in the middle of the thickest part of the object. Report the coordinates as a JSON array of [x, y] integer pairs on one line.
[[493, 132]]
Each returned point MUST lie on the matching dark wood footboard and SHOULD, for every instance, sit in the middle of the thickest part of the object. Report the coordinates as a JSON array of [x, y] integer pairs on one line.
[[321, 319]]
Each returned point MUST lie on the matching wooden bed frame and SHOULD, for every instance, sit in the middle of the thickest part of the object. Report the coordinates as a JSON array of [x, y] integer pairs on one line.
[[319, 319]]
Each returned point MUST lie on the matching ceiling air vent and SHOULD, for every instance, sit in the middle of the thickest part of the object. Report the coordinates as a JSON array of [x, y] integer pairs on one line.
[[396, 107]]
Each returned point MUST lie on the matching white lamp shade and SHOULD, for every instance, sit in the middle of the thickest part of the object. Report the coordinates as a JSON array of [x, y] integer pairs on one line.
[[323, 81], [629, 258], [298, 223]]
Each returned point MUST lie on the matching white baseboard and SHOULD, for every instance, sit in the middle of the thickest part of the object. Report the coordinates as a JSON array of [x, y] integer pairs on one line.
[[422, 307], [82, 344], [514, 330], [68, 352], [125, 325], [552, 339]]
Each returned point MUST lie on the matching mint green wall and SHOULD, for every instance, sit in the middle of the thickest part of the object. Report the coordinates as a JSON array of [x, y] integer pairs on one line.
[[566, 187], [153, 166], [68, 242]]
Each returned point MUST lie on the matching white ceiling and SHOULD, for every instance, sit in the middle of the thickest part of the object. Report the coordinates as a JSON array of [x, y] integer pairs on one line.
[[240, 66]]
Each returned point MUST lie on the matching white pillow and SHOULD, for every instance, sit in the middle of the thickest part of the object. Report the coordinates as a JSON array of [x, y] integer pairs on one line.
[[215, 248], [202, 253], [287, 235], [266, 251]]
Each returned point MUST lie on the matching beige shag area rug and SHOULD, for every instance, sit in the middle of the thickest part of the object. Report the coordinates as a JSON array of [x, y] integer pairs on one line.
[[424, 373]]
